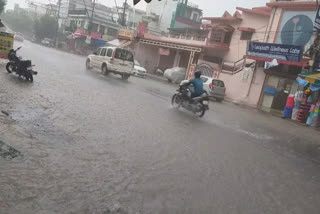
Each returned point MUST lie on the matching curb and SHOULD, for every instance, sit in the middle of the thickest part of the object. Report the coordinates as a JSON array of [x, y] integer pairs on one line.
[[154, 77]]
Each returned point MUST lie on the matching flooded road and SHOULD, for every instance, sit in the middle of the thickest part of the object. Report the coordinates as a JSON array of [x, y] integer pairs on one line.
[[96, 144]]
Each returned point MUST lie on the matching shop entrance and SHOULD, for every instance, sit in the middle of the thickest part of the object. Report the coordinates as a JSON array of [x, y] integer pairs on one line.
[[277, 90], [284, 88]]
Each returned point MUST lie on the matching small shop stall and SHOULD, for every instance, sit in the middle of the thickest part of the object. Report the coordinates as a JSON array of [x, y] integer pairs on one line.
[[81, 43], [304, 105]]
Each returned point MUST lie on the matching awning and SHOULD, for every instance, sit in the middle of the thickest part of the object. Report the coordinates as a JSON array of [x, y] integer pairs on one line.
[[312, 78], [247, 29], [120, 43], [125, 44]]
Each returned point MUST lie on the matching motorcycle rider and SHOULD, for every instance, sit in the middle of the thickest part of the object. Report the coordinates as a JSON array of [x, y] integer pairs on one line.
[[197, 84]]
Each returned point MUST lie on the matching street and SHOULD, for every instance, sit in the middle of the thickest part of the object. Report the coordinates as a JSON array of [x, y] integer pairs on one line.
[[92, 144]]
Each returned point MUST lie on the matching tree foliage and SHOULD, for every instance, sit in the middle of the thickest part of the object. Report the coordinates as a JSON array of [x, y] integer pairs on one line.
[[45, 27], [18, 21], [2, 5]]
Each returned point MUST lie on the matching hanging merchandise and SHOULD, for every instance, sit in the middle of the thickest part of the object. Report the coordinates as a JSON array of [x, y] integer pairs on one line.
[[316, 119], [294, 114], [314, 87], [309, 120], [302, 81]]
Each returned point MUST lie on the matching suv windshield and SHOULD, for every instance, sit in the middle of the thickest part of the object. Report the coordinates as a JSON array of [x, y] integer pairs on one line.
[[124, 55]]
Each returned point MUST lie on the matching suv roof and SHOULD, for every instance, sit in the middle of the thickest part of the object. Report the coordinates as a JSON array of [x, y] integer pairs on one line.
[[113, 47]]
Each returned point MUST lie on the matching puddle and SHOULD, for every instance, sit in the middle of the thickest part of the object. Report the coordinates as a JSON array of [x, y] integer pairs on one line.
[[7, 152]]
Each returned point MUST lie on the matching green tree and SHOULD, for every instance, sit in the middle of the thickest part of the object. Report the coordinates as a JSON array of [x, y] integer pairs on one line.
[[2, 5], [18, 21], [45, 27]]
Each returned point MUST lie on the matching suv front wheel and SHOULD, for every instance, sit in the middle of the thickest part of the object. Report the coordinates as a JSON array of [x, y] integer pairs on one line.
[[88, 67], [104, 70], [125, 76]]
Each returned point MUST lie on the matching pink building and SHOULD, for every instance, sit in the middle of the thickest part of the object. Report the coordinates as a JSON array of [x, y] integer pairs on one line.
[[219, 49], [242, 77]]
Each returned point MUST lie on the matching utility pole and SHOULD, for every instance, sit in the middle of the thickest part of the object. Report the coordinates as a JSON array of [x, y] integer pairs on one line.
[[58, 16], [124, 13], [315, 47], [91, 18]]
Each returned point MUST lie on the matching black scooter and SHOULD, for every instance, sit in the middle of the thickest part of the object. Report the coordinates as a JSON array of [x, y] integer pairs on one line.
[[19, 66]]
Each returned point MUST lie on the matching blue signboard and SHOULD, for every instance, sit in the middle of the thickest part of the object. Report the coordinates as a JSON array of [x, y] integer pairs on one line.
[[291, 53], [270, 91], [317, 20]]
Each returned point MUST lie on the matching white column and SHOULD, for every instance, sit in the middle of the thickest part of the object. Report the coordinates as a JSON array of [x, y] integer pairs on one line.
[[177, 57]]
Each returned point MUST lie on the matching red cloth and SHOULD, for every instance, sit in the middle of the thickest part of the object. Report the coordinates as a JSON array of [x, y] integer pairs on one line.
[[290, 102]]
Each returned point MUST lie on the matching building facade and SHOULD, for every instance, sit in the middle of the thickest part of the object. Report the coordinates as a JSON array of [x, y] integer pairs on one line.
[[132, 16], [291, 23], [83, 14], [243, 78], [165, 16]]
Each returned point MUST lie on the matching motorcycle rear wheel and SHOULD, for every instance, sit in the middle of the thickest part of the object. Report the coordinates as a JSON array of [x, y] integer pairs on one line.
[[9, 67], [176, 101], [29, 76], [200, 113]]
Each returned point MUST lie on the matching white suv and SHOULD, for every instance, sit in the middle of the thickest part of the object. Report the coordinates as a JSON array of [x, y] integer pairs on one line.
[[112, 59]]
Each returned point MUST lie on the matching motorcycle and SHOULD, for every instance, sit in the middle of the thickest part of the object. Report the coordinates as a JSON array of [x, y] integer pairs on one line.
[[19, 66], [182, 98]]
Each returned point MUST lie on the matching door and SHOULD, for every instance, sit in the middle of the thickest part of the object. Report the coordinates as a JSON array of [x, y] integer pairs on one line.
[[101, 57], [108, 58], [283, 90], [123, 60], [95, 58]]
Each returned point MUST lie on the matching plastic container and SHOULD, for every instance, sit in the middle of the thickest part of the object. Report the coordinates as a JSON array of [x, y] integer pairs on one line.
[[287, 112], [294, 114]]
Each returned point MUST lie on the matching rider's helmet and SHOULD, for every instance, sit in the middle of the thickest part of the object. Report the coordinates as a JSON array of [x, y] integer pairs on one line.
[[197, 74]]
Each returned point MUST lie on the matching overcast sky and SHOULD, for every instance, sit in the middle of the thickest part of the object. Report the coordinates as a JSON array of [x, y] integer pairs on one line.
[[209, 7]]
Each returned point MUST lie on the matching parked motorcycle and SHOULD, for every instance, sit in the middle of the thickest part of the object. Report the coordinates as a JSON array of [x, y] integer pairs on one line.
[[182, 98], [19, 66]]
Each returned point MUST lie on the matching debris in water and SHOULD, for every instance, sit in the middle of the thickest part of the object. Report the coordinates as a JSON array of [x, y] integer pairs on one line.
[[5, 112], [8, 152]]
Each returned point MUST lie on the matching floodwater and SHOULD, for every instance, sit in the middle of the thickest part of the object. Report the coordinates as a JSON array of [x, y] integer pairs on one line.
[[96, 144]]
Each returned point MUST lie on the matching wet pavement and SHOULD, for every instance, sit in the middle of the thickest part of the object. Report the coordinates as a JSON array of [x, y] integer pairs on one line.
[[90, 143]]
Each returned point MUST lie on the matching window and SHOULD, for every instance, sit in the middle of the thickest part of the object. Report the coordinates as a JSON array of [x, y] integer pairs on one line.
[[98, 51], [124, 55], [72, 6], [195, 17], [109, 53], [245, 35], [103, 52], [217, 36], [218, 83], [112, 32], [227, 38]]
